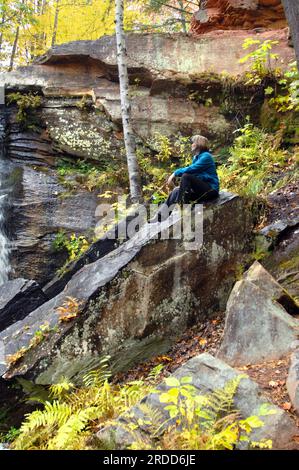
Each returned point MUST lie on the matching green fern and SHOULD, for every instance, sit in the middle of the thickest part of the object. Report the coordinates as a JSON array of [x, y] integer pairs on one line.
[[52, 417], [60, 389], [66, 421], [75, 424], [96, 377]]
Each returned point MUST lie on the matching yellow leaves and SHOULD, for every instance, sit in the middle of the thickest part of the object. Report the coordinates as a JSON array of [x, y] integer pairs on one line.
[[164, 358], [273, 383], [12, 359], [203, 341], [69, 310], [39, 335], [263, 444]]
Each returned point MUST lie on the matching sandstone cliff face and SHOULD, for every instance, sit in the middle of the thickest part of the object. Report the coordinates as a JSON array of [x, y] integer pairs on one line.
[[238, 14], [180, 91]]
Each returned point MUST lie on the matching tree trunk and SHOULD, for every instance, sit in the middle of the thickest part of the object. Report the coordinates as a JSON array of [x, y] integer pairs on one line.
[[1, 30], [55, 26], [291, 8], [133, 169], [14, 49], [183, 16]]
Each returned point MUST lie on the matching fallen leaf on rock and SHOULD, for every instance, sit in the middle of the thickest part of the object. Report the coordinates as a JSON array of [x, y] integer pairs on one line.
[[273, 383], [287, 405], [164, 358]]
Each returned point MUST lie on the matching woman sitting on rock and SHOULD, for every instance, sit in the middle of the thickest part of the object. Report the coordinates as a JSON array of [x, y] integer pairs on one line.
[[199, 181]]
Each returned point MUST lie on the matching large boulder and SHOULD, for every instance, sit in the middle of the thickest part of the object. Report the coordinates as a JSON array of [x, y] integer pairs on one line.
[[293, 380], [257, 326], [208, 374], [137, 299], [18, 298], [281, 231]]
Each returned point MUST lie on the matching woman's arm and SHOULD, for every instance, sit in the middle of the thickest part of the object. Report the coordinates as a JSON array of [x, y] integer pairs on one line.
[[201, 164]]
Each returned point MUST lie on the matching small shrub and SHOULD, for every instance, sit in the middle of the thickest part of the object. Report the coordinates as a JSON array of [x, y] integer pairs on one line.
[[286, 97], [255, 158], [261, 60], [75, 246], [196, 421], [26, 103]]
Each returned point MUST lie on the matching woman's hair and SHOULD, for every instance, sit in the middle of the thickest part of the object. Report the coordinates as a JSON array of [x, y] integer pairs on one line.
[[201, 142]]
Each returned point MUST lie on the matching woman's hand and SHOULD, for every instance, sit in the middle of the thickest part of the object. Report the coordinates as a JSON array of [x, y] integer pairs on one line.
[[170, 179]]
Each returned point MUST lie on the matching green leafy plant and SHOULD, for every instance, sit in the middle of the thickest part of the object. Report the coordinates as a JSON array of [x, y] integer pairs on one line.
[[71, 415], [75, 246], [286, 97], [85, 103], [26, 103], [74, 175], [10, 436], [261, 60], [69, 418], [256, 157], [201, 422]]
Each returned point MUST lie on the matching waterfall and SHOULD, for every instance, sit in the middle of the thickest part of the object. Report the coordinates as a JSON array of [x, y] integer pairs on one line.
[[4, 193]]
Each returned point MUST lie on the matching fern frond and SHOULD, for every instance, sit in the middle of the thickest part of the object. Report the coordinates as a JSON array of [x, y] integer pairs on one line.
[[98, 376], [69, 431], [154, 419], [220, 402], [60, 389]]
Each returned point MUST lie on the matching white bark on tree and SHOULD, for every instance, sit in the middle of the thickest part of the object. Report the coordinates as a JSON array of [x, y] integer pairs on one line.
[[14, 49], [291, 8], [1, 30], [55, 26], [133, 168]]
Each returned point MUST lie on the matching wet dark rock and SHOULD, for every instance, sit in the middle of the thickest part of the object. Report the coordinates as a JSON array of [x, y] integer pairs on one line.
[[18, 298], [37, 214]]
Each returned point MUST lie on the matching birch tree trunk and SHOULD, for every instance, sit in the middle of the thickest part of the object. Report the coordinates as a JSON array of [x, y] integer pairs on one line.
[[55, 26], [133, 169], [14, 49], [291, 8], [1, 30], [183, 16]]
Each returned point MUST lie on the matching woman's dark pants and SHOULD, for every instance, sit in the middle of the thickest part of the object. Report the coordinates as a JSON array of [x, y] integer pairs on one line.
[[191, 189]]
